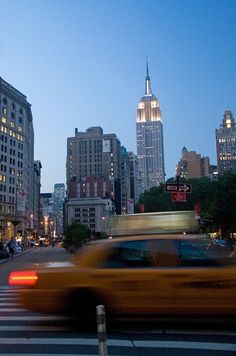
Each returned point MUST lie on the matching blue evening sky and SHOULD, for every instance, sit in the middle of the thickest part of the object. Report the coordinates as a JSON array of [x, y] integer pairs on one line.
[[81, 63]]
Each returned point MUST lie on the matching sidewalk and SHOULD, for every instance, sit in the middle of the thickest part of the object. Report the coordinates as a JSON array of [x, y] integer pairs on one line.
[[2, 260]]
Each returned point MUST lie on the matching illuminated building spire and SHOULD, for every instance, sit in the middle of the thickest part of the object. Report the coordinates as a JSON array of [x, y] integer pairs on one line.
[[148, 90], [149, 138]]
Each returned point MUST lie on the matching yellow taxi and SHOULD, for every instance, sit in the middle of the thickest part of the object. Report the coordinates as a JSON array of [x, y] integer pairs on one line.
[[136, 276]]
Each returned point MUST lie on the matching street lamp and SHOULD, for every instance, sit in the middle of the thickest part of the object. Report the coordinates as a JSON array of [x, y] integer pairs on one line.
[[15, 222], [31, 221]]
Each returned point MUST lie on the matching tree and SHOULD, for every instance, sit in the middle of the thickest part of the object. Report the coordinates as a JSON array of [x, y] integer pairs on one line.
[[156, 199], [217, 199], [224, 212], [75, 236]]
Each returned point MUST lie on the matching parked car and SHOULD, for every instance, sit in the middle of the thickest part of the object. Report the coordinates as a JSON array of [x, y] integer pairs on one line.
[[135, 276]]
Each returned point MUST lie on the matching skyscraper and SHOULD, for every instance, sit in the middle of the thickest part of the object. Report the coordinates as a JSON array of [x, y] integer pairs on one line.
[[58, 203], [19, 173], [94, 154], [149, 137], [193, 165], [226, 144]]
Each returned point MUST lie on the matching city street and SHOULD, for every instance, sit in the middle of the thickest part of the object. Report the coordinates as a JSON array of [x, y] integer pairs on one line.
[[39, 334], [29, 258]]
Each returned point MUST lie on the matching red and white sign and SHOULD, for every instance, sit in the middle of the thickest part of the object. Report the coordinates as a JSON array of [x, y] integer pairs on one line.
[[178, 196]]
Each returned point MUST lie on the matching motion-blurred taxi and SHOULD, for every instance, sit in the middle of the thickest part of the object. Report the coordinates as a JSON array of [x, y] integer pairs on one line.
[[139, 276]]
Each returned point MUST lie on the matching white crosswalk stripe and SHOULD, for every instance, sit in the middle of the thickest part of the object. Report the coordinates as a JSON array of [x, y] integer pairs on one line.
[[16, 330]]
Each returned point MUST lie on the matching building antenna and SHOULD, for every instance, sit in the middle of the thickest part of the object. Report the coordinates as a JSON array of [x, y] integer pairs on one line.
[[147, 70]]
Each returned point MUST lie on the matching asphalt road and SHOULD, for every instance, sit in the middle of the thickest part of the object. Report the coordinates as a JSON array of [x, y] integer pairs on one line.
[[30, 258]]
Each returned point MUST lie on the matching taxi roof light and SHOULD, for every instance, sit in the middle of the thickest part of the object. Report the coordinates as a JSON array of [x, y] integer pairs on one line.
[[22, 278]]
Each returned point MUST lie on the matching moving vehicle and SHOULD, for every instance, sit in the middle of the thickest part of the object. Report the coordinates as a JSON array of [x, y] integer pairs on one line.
[[135, 276]]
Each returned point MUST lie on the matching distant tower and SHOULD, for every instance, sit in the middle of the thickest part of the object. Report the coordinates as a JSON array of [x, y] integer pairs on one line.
[[58, 204], [192, 165], [226, 144], [149, 137], [94, 154]]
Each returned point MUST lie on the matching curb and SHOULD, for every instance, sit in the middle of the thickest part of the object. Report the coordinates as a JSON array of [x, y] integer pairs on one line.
[[12, 257]]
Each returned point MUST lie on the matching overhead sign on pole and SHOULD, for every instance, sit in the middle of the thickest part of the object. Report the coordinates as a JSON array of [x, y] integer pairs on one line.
[[178, 187]]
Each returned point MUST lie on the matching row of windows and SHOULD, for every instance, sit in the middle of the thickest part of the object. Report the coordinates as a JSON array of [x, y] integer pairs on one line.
[[11, 151], [13, 116], [78, 215], [2, 198], [91, 226], [83, 221], [11, 191], [12, 133], [12, 124], [3, 178], [228, 158], [77, 210], [7, 209], [231, 139], [11, 161], [12, 105], [4, 138]]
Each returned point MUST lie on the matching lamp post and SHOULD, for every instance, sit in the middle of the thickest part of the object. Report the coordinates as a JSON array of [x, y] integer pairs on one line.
[[15, 222], [51, 228], [32, 221]]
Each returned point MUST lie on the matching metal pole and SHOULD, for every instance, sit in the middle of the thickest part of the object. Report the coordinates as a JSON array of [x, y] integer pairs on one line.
[[101, 329]]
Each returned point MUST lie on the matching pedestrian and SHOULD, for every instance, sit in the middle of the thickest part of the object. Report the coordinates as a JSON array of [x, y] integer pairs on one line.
[[12, 246]]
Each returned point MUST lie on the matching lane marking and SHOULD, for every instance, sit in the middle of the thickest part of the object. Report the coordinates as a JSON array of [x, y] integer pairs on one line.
[[33, 328], [15, 310], [33, 318], [60, 341], [66, 328], [36, 354], [186, 345], [122, 343]]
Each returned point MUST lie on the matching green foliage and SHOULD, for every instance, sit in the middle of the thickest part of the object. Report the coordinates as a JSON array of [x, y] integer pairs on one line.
[[75, 236], [156, 199], [225, 203], [217, 199]]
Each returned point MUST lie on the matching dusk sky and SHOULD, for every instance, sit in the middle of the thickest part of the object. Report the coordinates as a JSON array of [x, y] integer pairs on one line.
[[82, 63]]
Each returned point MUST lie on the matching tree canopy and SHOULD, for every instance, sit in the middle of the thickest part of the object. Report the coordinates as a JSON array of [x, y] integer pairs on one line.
[[75, 236], [216, 198]]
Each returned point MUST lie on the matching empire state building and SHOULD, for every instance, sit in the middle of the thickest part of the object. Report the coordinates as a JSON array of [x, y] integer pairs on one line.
[[149, 137]]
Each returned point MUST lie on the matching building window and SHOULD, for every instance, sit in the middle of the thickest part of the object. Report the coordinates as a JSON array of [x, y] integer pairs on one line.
[[2, 178]]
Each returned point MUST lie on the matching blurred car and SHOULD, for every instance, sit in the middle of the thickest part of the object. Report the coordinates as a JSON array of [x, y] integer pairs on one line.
[[135, 276]]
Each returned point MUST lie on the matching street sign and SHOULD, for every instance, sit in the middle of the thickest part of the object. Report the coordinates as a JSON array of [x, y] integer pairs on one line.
[[178, 196], [178, 187]]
